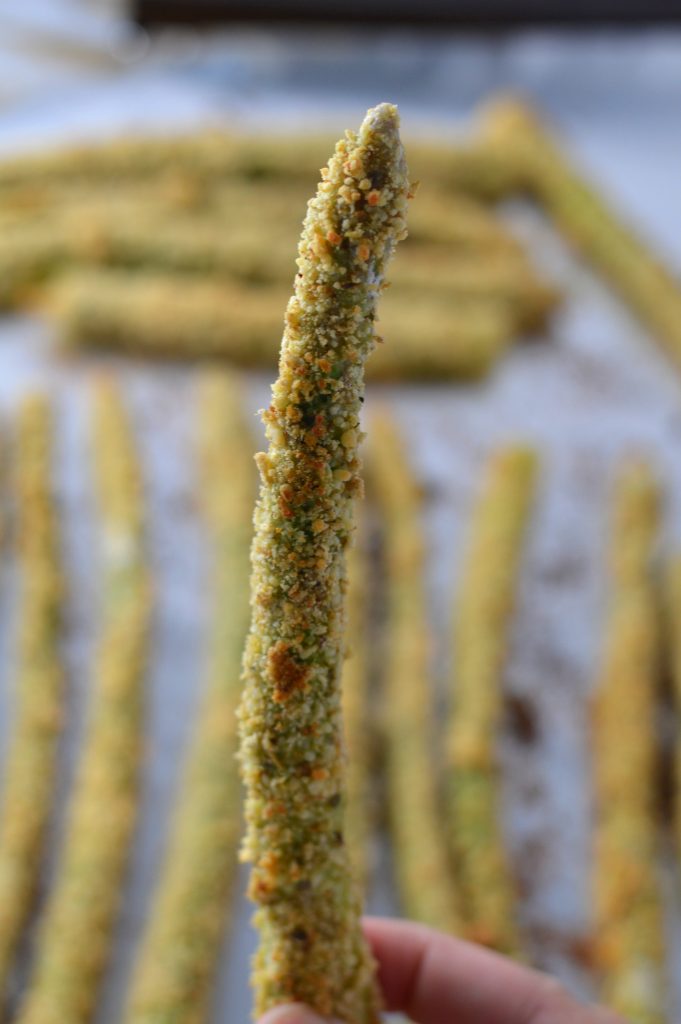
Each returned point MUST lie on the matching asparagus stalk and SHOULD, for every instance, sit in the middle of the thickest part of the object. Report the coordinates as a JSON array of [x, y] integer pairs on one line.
[[673, 643], [474, 265], [92, 211], [170, 193], [76, 933], [597, 231], [628, 924], [424, 881], [483, 168], [153, 316], [192, 246], [460, 222], [30, 769], [356, 714], [178, 960], [311, 946], [206, 155], [482, 613], [483, 278]]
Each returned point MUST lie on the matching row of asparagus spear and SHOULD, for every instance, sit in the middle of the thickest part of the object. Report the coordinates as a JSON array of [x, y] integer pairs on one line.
[[78, 916], [140, 260], [141, 209], [473, 892], [457, 877]]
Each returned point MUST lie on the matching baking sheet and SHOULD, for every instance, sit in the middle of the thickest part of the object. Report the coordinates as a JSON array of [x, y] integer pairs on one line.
[[596, 390]]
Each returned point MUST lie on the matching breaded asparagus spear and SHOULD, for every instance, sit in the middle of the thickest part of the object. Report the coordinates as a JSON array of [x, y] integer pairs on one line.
[[673, 643], [177, 963], [176, 222], [156, 316], [599, 233], [425, 884], [356, 713], [482, 167], [628, 925], [89, 213], [76, 933], [479, 278], [204, 154], [311, 946], [30, 770], [30, 255], [482, 613], [459, 222], [480, 261], [169, 194]]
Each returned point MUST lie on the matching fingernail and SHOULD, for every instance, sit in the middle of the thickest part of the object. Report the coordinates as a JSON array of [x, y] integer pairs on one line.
[[292, 1013]]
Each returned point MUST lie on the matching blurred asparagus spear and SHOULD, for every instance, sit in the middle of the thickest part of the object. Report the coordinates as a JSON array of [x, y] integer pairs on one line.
[[77, 210], [30, 770], [425, 884], [311, 945], [483, 168], [357, 713], [673, 643], [76, 932], [175, 969], [254, 252], [599, 233], [628, 925], [157, 316], [482, 613]]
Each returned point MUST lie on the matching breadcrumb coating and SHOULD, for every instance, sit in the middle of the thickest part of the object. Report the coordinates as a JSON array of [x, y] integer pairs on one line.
[[76, 932], [311, 945], [30, 769], [176, 967], [482, 611], [425, 883], [628, 925]]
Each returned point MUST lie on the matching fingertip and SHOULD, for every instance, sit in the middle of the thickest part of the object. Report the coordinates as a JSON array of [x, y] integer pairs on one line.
[[293, 1013]]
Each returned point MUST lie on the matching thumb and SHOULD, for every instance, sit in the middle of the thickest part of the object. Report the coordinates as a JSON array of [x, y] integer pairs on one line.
[[293, 1013]]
